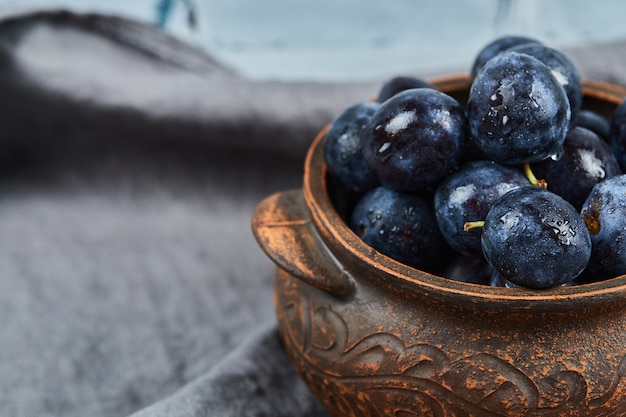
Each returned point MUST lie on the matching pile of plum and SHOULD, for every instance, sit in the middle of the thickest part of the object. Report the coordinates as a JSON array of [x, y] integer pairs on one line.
[[518, 187]]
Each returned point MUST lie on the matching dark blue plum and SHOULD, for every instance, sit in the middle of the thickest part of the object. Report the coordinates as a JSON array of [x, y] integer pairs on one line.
[[604, 212], [563, 70], [401, 226], [517, 111], [415, 139], [343, 148], [534, 238], [585, 161], [496, 47], [472, 269], [398, 84], [471, 152], [496, 280], [617, 137], [467, 195], [595, 122]]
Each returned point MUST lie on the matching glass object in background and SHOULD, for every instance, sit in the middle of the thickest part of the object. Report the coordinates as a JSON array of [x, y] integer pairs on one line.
[[513, 16], [184, 18], [164, 10]]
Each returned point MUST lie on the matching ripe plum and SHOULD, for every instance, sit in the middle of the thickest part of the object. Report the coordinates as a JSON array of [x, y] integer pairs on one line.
[[401, 226], [467, 195], [534, 238], [517, 111], [415, 139]]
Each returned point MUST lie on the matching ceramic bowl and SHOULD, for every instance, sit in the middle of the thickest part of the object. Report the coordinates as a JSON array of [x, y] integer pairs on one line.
[[373, 337]]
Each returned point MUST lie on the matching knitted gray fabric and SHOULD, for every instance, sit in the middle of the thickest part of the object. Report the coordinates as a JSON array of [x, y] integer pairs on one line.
[[130, 165]]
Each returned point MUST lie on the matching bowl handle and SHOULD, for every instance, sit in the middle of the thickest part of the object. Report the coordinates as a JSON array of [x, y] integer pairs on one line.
[[282, 225]]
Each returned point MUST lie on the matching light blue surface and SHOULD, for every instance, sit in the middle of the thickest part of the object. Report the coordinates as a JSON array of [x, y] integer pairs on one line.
[[363, 40]]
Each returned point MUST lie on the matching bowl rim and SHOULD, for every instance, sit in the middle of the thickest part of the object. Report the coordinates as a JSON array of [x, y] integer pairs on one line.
[[346, 245]]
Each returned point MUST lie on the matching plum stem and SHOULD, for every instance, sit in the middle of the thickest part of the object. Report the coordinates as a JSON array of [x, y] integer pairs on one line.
[[473, 225], [531, 177]]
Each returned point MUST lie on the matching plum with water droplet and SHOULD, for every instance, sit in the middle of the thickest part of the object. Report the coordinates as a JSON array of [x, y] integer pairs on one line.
[[401, 226], [534, 238], [343, 148], [415, 139], [562, 68], [517, 111], [604, 212], [467, 195], [586, 160]]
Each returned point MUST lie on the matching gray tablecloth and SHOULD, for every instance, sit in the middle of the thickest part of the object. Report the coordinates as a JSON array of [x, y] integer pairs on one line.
[[130, 164]]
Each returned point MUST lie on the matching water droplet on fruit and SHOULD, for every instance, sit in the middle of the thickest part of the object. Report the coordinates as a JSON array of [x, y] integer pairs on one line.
[[507, 91], [561, 228], [556, 156], [510, 220], [384, 147]]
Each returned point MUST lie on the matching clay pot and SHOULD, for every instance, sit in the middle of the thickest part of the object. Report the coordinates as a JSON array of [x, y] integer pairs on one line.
[[373, 337]]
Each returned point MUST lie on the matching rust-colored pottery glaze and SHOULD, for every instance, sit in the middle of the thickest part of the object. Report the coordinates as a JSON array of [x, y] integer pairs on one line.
[[373, 337]]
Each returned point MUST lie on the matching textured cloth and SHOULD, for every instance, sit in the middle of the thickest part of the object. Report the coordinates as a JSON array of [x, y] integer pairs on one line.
[[130, 164]]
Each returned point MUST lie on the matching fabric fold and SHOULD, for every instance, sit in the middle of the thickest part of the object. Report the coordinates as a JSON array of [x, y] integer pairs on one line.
[[254, 380], [61, 64]]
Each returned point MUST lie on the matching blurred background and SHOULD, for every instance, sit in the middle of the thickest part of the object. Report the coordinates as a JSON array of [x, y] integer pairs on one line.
[[353, 40]]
